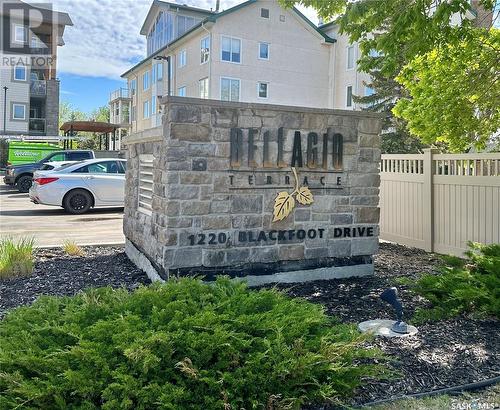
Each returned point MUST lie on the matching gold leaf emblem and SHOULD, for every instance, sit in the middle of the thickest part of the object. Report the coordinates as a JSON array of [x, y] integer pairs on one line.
[[283, 205], [305, 196], [285, 202]]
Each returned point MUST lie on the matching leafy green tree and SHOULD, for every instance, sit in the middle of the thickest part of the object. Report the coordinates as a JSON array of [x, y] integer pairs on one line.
[[455, 92], [403, 31]]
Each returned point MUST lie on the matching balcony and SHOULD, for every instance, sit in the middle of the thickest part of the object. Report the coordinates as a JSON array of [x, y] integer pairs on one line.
[[120, 93], [38, 88], [37, 125]]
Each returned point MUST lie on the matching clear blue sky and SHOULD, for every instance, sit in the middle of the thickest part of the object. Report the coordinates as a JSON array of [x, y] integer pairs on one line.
[[103, 43]]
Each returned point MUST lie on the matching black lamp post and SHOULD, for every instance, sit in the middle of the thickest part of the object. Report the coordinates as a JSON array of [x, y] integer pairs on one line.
[[5, 88], [168, 71]]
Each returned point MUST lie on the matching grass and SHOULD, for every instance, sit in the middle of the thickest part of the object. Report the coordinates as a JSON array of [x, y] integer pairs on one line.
[[72, 249], [16, 257]]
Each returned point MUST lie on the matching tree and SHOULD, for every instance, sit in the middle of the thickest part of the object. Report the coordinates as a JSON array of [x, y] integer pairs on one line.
[[405, 30], [395, 137], [454, 92]]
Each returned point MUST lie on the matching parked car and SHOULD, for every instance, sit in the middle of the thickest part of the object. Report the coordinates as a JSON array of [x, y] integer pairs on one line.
[[80, 186], [22, 175]]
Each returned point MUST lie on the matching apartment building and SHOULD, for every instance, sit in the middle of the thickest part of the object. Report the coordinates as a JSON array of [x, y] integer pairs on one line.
[[29, 103], [256, 51], [120, 103]]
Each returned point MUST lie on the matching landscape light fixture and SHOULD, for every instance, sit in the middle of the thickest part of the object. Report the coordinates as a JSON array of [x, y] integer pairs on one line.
[[169, 70], [390, 296]]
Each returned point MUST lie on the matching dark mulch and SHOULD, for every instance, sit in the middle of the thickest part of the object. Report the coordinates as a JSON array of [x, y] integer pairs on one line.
[[58, 274], [442, 354]]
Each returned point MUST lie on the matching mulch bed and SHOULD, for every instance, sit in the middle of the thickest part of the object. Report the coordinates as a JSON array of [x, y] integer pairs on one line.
[[442, 354]]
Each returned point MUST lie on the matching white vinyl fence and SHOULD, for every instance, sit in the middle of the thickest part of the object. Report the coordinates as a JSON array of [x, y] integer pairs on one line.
[[438, 202]]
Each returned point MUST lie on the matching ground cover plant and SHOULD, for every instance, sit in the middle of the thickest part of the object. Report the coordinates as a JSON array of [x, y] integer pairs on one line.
[[465, 286], [16, 257], [72, 249], [184, 344]]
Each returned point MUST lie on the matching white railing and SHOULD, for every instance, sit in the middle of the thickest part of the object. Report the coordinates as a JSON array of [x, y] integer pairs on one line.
[[438, 202]]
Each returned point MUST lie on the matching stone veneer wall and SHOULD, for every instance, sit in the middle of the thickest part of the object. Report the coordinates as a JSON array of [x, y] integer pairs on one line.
[[188, 202]]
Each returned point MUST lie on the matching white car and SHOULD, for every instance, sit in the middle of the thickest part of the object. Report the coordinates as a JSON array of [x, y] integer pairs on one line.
[[78, 187]]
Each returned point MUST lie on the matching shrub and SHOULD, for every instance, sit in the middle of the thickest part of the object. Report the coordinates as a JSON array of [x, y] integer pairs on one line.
[[72, 249], [180, 345], [464, 286], [16, 258]]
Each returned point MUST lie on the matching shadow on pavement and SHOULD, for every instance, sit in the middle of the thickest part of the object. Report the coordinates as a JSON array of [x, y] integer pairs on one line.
[[59, 211]]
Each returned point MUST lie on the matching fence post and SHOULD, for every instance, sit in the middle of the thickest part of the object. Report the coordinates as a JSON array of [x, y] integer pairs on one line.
[[428, 199]]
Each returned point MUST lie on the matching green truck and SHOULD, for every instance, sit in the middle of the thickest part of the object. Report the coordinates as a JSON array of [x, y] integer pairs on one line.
[[28, 152]]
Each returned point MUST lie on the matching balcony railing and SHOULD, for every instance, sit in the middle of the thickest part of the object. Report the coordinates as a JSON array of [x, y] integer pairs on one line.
[[38, 87], [37, 125], [120, 93]]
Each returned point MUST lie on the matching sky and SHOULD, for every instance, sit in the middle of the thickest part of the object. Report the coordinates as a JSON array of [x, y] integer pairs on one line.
[[104, 43]]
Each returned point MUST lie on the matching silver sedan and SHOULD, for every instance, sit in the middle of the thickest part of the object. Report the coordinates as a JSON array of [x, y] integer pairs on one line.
[[80, 186]]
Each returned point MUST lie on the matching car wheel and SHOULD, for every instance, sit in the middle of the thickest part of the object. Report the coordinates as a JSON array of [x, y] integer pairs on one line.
[[24, 183], [78, 201]]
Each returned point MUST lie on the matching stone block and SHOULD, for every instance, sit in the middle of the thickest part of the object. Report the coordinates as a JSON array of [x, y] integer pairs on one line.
[[213, 257], [190, 132], [247, 221], [222, 207], [341, 219], [216, 222], [246, 204], [237, 255], [183, 192], [316, 253], [196, 178], [364, 246], [339, 248], [206, 150], [367, 214], [187, 257], [370, 126], [302, 215], [291, 252], [195, 208]]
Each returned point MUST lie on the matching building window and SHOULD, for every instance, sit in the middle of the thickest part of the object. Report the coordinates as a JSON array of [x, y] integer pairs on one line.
[[19, 34], [181, 92], [182, 58], [133, 86], [18, 111], [204, 88], [20, 73], [350, 57], [145, 109], [133, 114], [153, 105], [262, 89], [184, 23], [145, 80], [231, 50], [157, 72], [264, 13], [229, 89], [264, 51], [205, 49], [349, 96]]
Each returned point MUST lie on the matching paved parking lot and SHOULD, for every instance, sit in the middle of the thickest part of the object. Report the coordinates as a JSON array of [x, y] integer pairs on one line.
[[51, 226]]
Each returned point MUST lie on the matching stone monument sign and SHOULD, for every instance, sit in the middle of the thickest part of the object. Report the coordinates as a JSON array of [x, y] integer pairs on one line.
[[268, 193]]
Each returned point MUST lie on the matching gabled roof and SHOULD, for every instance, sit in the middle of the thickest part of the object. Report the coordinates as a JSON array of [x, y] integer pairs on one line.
[[213, 18], [157, 3]]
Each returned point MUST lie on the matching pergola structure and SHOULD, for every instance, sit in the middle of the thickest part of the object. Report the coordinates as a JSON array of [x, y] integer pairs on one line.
[[103, 128]]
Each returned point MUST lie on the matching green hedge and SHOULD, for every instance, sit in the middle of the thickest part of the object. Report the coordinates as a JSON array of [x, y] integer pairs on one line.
[[464, 286], [181, 345]]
